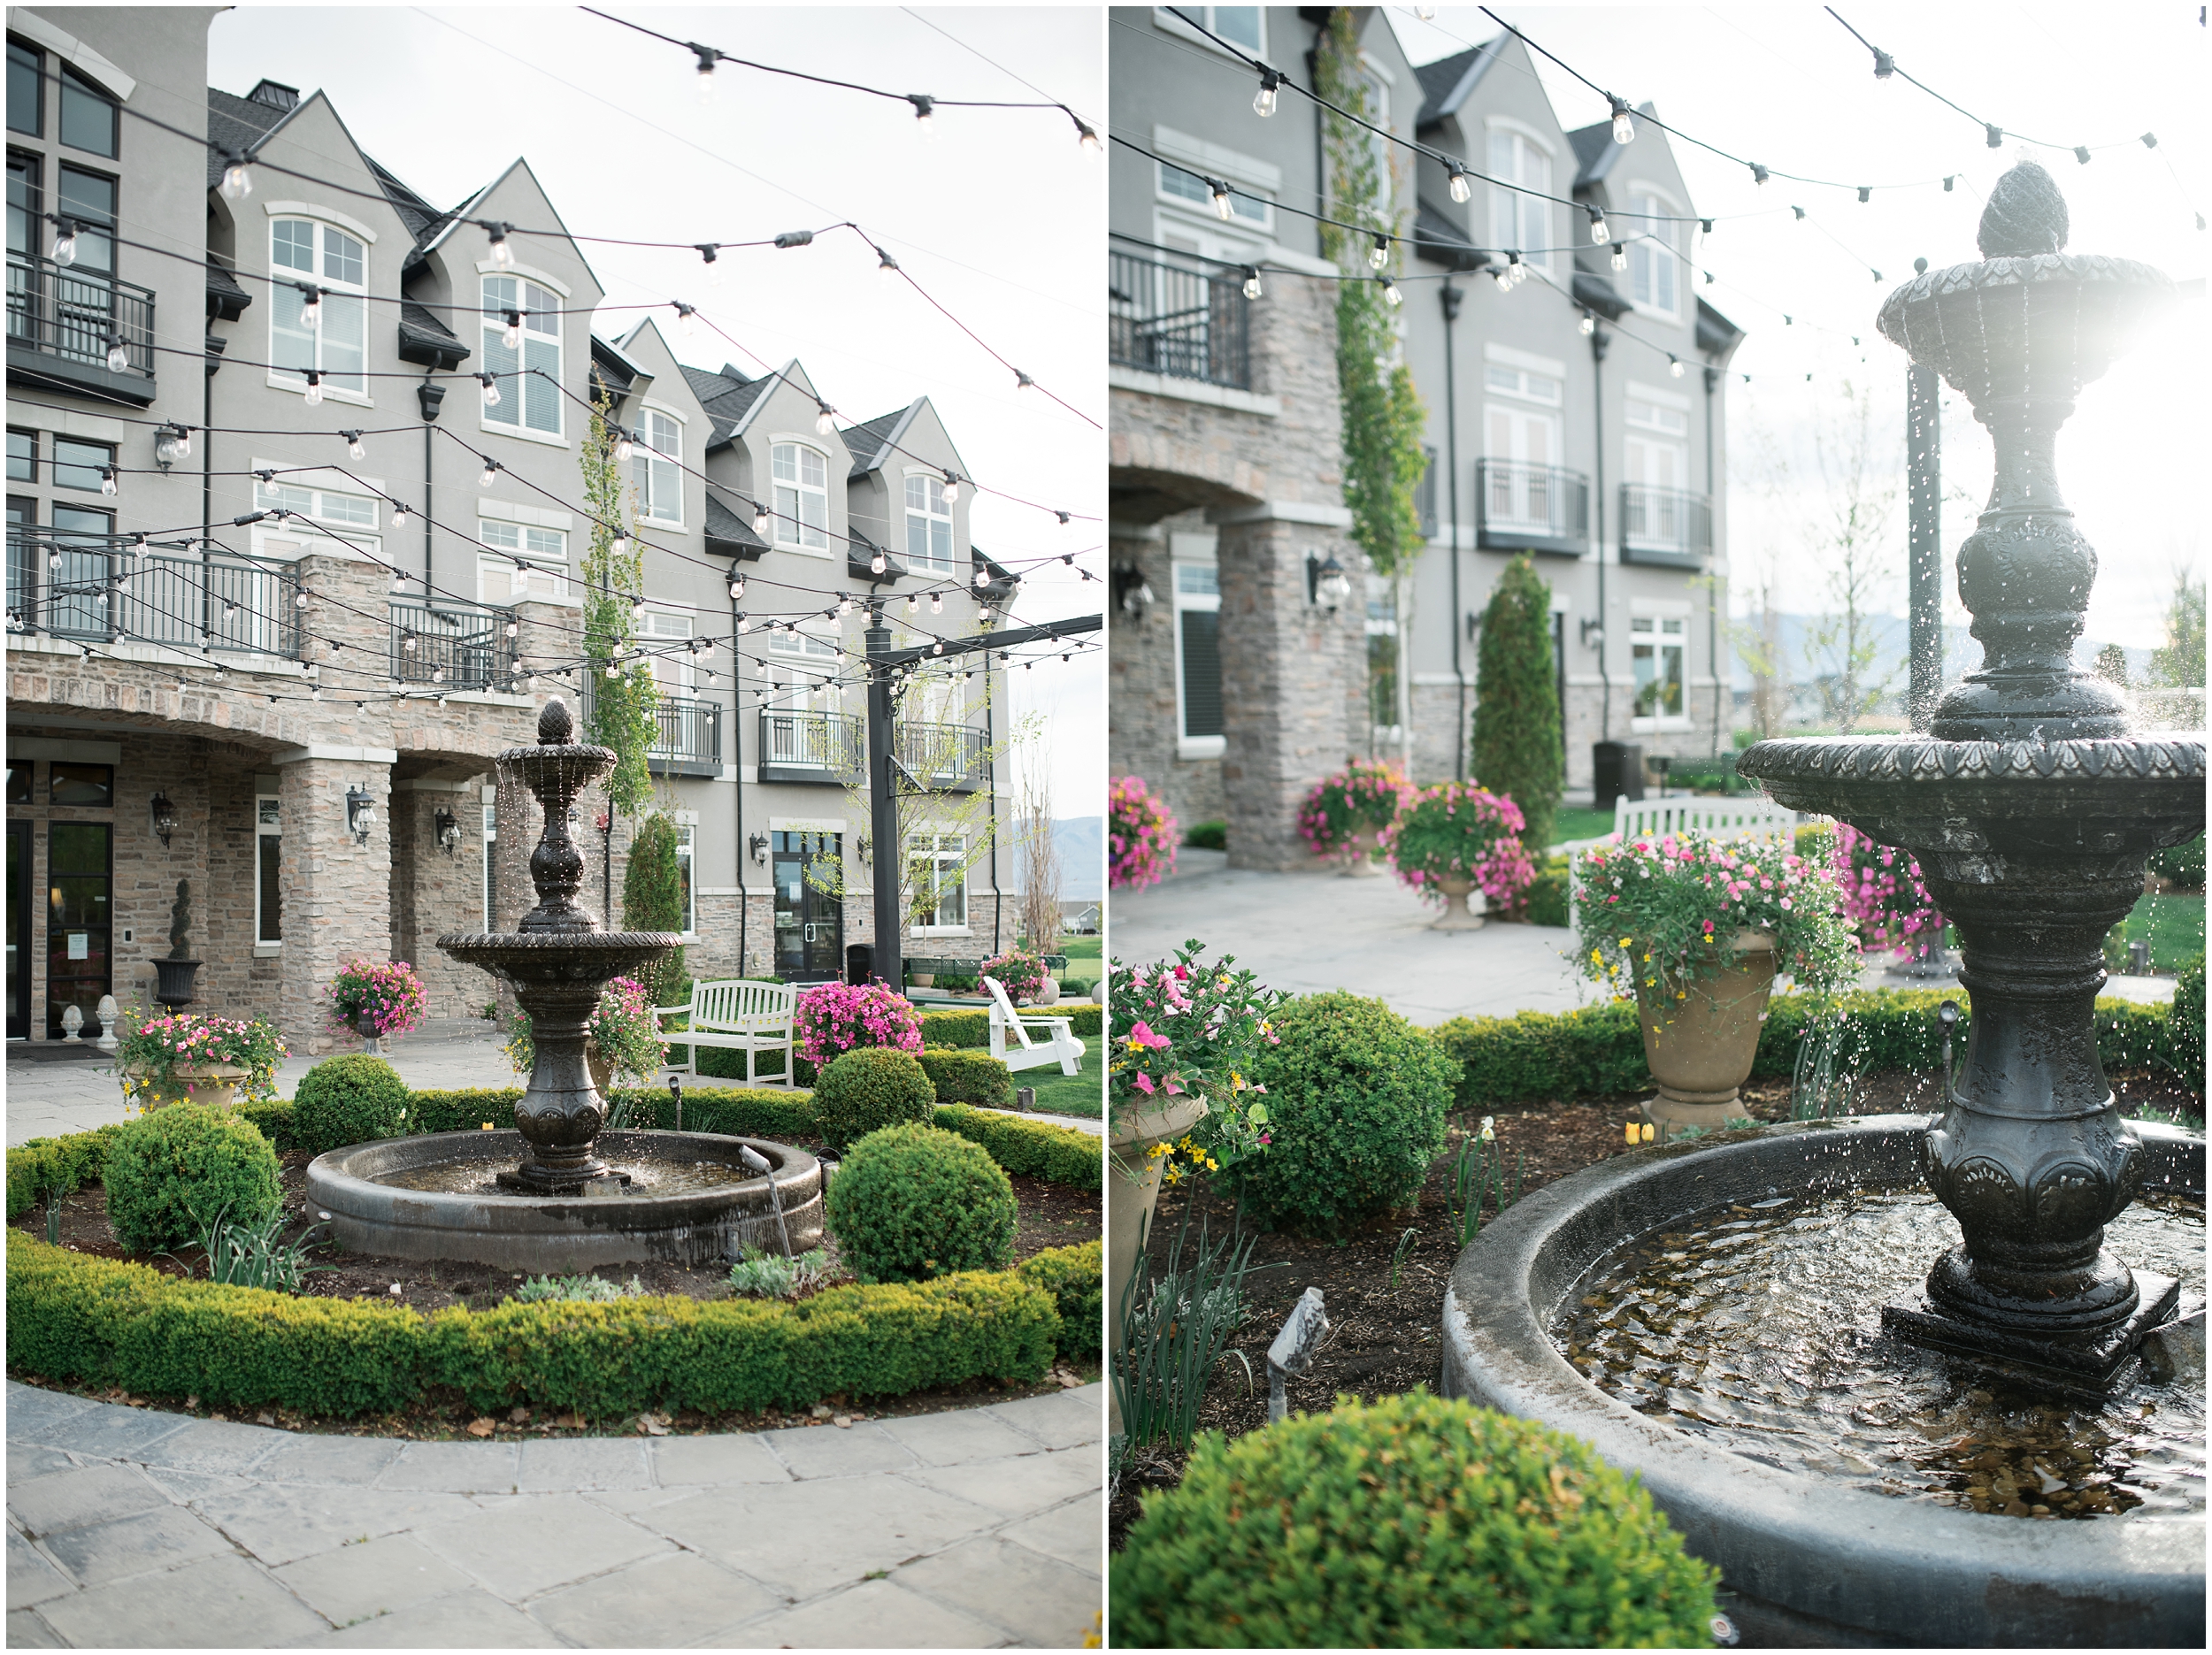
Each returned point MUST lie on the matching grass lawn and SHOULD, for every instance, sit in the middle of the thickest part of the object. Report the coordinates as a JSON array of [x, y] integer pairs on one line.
[[1085, 964], [1571, 824], [1069, 1094], [2173, 926]]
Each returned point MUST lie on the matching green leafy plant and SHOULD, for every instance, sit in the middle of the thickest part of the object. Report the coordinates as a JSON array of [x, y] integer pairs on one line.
[[2185, 1023], [653, 900], [622, 1026], [772, 1276], [1408, 1522], [171, 1173], [1357, 1097], [973, 1078], [1515, 747], [1072, 1276], [621, 712], [389, 994], [249, 1255], [868, 1088], [1183, 1028], [1177, 1320], [1362, 798], [913, 1202], [1545, 901], [2181, 864], [150, 1051], [1020, 973], [350, 1099], [1208, 836], [576, 1290], [1478, 1175], [1453, 830]]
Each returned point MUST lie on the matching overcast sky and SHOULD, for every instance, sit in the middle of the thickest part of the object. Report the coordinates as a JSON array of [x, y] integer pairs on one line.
[[1787, 86], [998, 216]]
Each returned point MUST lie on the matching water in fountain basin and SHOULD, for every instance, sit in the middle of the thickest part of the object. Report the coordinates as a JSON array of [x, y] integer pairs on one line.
[[1758, 1327], [647, 1177]]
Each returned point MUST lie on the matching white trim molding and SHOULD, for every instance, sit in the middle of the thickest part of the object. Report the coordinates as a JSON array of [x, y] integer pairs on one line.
[[329, 215], [81, 58], [338, 754], [486, 267], [1194, 391], [1314, 512]]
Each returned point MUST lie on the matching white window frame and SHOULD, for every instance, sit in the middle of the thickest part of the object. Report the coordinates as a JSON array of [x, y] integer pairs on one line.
[[1165, 19], [1241, 195], [788, 530], [339, 295], [686, 834], [813, 641], [934, 510], [514, 389], [290, 492], [545, 550], [934, 846], [1646, 201], [1648, 624], [647, 463], [677, 674], [1535, 224], [491, 842], [1520, 491], [1193, 551], [265, 794]]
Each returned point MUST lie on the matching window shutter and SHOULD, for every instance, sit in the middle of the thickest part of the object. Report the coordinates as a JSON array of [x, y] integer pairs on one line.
[[541, 397]]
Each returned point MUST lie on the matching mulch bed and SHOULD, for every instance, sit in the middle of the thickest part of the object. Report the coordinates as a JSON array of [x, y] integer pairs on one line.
[[1382, 1337]]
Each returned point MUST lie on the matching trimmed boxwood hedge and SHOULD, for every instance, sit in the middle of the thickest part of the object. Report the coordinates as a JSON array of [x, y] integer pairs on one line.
[[1075, 1277], [972, 1029], [963, 1075], [89, 1320]]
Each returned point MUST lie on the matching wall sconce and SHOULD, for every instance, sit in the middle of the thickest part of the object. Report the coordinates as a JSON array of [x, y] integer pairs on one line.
[[1593, 632], [448, 830], [1132, 594], [171, 443], [360, 813], [862, 845], [1326, 583], [759, 844], [164, 817]]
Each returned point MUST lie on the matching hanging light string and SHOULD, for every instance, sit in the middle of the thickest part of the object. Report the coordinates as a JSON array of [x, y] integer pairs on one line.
[[708, 57]]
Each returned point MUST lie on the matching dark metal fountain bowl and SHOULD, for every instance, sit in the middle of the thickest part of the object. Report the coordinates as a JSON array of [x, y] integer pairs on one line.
[[562, 956], [373, 1212], [1811, 1562]]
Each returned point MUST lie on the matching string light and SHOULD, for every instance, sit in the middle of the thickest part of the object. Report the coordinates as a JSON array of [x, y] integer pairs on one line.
[[1221, 197], [1251, 291], [760, 518], [1263, 102], [624, 446], [512, 338], [744, 622], [982, 578], [952, 489], [1624, 128], [1674, 366], [875, 563], [314, 388], [237, 181], [686, 319], [354, 450], [503, 256], [1379, 255], [399, 512], [936, 604], [825, 420], [107, 481], [886, 265], [118, 357], [737, 586], [925, 114], [1503, 277], [618, 547], [64, 249], [492, 469], [1023, 382], [1600, 232], [312, 304], [1462, 190], [1390, 295], [490, 382], [704, 79], [1087, 139], [1619, 260]]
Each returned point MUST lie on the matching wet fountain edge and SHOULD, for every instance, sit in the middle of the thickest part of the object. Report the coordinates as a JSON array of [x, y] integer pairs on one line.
[[1812, 1562]]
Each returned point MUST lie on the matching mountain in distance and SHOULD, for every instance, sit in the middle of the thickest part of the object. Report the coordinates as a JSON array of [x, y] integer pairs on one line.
[[1081, 842]]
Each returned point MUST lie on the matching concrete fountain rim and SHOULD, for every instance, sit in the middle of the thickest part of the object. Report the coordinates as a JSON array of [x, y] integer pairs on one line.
[[1809, 1548], [790, 1165]]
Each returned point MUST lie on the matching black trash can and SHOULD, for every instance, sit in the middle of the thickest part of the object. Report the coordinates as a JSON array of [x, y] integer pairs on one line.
[[860, 964], [1617, 772]]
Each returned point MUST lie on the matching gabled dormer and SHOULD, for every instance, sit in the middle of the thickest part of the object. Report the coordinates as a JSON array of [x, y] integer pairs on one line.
[[1487, 107], [903, 464], [1647, 207], [788, 462]]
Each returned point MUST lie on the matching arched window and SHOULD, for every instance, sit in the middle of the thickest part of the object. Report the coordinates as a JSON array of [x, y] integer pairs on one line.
[[929, 526], [1654, 252], [529, 375], [305, 254], [801, 502], [1520, 221]]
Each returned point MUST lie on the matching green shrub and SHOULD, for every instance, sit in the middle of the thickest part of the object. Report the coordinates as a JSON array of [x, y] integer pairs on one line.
[[1030, 1149], [46, 1167], [869, 1087], [968, 1076], [1208, 836], [353, 1099], [2186, 1025], [653, 900], [972, 1029], [2184, 864], [171, 1173], [1412, 1522], [914, 1202], [1534, 1056], [774, 1276], [1545, 901], [584, 1290], [1356, 1097], [1075, 1277], [1514, 748]]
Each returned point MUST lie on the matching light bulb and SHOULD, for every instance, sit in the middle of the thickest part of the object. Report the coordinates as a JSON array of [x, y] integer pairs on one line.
[[637, 612], [490, 476], [982, 578], [875, 565], [490, 382], [1624, 128], [1221, 198], [824, 421], [314, 388], [1619, 261], [503, 256], [925, 114], [312, 312], [936, 604], [65, 243], [1674, 366], [1461, 188], [737, 586], [1251, 281], [704, 79], [911, 601], [624, 446], [1379, 255], [514, 628], [744, 623], [354, 450], [1600, 233], [512, 338], [619, 546], [1503, 277], [138, 547], [53, 558], [952, 489], [237, 181], [886, 265], [1390, 295], [760, 518], [1264, 103], [399, 512], [119, 358], [184, 442], [107, 481], [1087, 139], [613, 670], [1588, 324]]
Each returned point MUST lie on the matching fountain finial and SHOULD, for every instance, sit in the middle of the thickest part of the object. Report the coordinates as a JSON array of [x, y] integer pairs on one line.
[[556, 728], [2026, 215]]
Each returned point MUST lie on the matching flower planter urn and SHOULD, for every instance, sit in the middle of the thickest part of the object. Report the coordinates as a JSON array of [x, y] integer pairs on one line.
[[1358, 856], [1459, 913], [365, 1025], [1700, 1049], [1132, 1191], [601, 1065], [213, 1086], [173, 982]]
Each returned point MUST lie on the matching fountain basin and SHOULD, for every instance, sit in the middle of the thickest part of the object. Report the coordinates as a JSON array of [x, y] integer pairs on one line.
[[1811, 1562], [371, 1213]]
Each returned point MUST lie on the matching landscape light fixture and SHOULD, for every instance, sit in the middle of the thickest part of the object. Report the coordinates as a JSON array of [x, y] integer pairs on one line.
[[1328, 585], [448, 830], [164, 818]]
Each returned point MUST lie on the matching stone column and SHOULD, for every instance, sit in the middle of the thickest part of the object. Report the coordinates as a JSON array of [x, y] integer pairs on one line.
[[336, 891]]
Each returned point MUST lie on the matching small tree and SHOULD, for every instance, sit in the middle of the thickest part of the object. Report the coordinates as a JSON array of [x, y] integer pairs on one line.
[[2178, 664], [1040, 859], [1516, 742], [653, 900], [2112, 665], [621, 712]]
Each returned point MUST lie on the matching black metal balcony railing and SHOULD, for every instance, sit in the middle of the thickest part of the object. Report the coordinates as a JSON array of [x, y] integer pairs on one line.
[[1186, 324], [1665, 525], [690, 733], [64, 320], [93, 591], [799, 747], [1531, 508], [950, 757], [451, 648]]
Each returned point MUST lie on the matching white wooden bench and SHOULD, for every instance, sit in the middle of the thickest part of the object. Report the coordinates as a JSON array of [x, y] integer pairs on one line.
[[1059, 1044], [739, 1016]]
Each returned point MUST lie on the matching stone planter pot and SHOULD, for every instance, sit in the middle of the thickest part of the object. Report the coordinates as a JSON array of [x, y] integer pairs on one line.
[[1459, 911], [365, 1025], [1131, 1199], [601, 1068], [1357, 860], [922, 979], [214, 1085], [1700, 1049]]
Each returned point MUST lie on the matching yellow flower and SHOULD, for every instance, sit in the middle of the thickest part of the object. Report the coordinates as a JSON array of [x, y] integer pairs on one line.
[[1631, 1131], [1236, 1081], [1626, 941]]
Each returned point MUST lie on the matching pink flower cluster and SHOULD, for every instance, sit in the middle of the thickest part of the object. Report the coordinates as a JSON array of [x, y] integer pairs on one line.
[[1882, 890], [1140, 835], [1458, 830], [1364, 797], [388, 992], [1021, 974], [836, 1017]]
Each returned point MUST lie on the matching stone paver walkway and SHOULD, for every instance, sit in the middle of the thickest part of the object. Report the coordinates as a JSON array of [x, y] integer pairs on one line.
[[132, 1529], [1304, 933]]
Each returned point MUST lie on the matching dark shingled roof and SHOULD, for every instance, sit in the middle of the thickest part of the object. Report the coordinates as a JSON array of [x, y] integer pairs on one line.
[[1446, 83], [867, 440], [860, 556], [426, 340], [729, 534], [1599, 295], [1716, 335], [609, 373], [1437, 239], [227, 300], [725, 396]]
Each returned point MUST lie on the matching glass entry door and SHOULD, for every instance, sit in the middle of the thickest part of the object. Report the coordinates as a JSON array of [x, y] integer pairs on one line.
[[18, 931], [809, 922], [79, 875]]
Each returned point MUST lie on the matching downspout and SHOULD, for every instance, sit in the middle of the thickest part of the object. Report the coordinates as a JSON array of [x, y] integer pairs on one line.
[[215, 348], [1598, 343], [1712, 587], [430, 396], [990, 774], [737, 772], [1452, 296]]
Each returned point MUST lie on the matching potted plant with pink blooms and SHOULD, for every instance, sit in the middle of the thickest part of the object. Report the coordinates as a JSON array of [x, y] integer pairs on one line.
[[1141, 833], [834, 1018], [378, 999], [1455, 838], [1347, 815]]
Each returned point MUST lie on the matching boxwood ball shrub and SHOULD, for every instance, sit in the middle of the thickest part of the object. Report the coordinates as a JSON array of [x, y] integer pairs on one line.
[[911, 1203], [1413, 1522], [2186, 1035], [870, 1087], [1356, 1098], [171, 1172], [352, 1099]]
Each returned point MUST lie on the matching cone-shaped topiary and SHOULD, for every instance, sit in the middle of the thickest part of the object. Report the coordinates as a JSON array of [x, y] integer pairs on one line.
[[171, 1172], [350, 1099], [1356, 1097], [653, 900], [1516, 742], [914, 1202], [1413, 1522], [870, 1087]]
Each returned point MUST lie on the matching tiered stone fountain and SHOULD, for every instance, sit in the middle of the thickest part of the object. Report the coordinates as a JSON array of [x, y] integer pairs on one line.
[[2032, 805], [558, 1204]]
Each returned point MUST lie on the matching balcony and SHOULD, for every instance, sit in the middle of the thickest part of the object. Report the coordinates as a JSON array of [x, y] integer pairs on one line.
[[63, 321], [1183, 324], [1665, 527], [944, 758], [91, 592], [827, 748], [690, 739], [1530, 509], [451, 649]]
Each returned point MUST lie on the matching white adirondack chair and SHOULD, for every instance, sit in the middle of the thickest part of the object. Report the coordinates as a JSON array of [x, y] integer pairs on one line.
[[740, 1017], [1059, 1044]]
